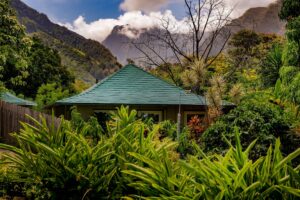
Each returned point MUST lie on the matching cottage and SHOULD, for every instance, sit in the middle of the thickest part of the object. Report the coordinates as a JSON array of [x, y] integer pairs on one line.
[[12, 99], [140, 90]]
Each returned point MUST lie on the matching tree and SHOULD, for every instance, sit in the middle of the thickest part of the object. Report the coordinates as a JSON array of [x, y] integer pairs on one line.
[[45, 67], [255, 119], [245, 40], [196, 78], [236, 93], [293, 35], [165, 70], [247, 53], [241, 51], [2, 87], [290, 9], [130, 61], [14, 47], [271, 65], [25, 63], [49, 94], [80, 86], [288, 85], [205, 38], [290, 55]]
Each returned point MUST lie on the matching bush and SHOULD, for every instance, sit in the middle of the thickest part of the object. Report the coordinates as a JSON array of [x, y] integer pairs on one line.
[[232, 176], [255, 120], [168, 129], [91, 129], [196, 128], [49, 94], [288, 86], [61, 163], [290, 54], [271, 64]]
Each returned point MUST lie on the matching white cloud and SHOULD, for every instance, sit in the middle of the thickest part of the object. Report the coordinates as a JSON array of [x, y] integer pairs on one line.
[[154, 5], [97, 30], [100, 29], [143, 5], [240, 6]]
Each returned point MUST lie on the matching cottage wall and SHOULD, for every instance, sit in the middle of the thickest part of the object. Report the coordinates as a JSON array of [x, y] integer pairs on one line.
[[169, 112]]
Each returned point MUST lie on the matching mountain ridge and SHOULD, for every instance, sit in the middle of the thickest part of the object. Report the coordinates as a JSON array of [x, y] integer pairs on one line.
[[259, 19], [262, 20], [87, 59]]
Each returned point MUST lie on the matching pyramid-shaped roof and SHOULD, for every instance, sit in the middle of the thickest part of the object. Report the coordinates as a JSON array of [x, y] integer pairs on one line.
[[10, 98], [133, 86]]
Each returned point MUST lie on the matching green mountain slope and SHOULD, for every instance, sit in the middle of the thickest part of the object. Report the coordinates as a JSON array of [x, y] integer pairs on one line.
[[87, 59]]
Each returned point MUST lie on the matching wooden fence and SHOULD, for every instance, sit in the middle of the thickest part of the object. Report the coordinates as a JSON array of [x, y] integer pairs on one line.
[[11, 115]]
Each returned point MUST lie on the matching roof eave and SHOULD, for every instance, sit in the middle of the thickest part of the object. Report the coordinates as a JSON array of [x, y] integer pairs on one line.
[[103, 104]]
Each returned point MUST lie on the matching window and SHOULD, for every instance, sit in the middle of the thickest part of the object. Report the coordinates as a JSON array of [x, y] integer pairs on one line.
[[188, 115], [103, 116], [155, 115]]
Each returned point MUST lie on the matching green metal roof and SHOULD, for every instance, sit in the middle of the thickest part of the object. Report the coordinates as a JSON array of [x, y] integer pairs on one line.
[[10, 98], [133, 86]]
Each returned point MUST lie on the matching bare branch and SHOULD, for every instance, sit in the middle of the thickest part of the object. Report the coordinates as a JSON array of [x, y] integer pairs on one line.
[[205, 38]]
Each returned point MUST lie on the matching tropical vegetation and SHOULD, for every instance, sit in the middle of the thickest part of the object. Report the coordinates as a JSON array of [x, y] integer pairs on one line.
[[249, 152], [131, 160]]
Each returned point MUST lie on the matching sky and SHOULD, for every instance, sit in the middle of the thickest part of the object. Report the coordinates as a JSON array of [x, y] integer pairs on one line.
[[95, 19]]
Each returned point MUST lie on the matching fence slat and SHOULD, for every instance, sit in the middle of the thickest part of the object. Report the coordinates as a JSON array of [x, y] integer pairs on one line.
[[11, 116]]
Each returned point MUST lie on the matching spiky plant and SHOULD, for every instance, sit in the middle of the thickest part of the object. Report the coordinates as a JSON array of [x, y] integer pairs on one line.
[[214, 101], [128, 135], [232, 176], [236, 93], [200, 71], [188, 78], [56, 163], [218, 82], [214, 96], [196, 75], [62, 163]]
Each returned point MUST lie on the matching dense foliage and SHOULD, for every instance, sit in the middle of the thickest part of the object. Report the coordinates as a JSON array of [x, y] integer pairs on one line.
[[290, 9], [271, 65], [50, 93], [250, 53], [45, 67], [268, 72], [249, 152], [290, 12], [86, 58], [255, 120], [260, 74], [14, 48], [25, 63], [65, 163], [232, 176]]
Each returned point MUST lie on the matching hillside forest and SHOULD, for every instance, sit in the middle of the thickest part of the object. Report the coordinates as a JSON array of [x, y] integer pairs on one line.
[[250, 152]]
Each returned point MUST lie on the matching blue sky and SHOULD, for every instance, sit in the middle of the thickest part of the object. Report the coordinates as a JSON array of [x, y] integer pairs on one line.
[[68, 10]]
